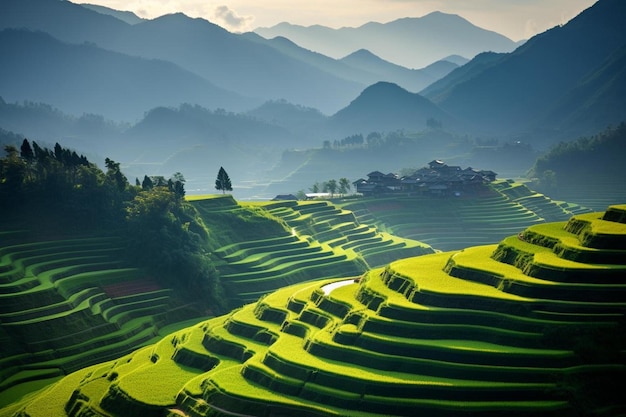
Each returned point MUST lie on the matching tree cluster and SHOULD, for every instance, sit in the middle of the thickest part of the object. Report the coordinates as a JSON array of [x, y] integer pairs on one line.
[[332, 187], [599, 155], [62, 192], [75, 193], [373, 140]]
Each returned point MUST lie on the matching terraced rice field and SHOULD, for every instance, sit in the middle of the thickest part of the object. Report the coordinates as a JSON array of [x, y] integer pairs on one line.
[[318, 240], [593, 191], [339, 228], [456, 223], [532, 326], [66, 304]]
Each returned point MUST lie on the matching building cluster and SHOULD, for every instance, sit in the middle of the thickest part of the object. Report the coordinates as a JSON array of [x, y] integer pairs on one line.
[[437, 179]]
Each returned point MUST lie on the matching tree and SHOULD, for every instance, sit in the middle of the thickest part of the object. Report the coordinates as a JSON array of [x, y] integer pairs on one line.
[[26, 152], [332, 187], [344, 185], [223, 181], [147, 183], [113, 174]]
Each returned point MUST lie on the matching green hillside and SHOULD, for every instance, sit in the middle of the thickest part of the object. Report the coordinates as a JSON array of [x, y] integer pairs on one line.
[[455, 223], [68, 303], [266, 246], [586, 170], [69, 300], [533, 326]]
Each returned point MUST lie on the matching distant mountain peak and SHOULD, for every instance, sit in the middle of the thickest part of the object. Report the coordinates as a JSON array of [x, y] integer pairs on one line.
[[125, 16], [386, 106], [361, 53], [383, 87], [417, 41]]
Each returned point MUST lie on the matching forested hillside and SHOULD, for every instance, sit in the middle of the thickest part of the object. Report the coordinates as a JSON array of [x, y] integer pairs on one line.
[[587, 170]]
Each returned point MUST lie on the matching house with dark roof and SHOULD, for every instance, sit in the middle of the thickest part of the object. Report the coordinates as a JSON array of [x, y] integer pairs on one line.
[[437, 179], [284, 197]]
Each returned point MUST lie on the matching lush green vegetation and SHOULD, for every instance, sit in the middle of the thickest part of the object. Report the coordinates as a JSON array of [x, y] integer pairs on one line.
[[455, 223], [533, 326], [586, 170], [93, 267], [59, 193]]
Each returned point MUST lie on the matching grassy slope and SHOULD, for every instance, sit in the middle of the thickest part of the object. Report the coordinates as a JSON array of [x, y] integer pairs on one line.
[[68, 303], [265, 246], [451, 224], [492, 329]]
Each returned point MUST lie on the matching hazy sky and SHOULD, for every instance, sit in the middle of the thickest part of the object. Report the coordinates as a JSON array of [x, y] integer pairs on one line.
[[517, 19]]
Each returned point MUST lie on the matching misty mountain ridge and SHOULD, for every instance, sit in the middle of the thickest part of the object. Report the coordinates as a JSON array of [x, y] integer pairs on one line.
[[125, 16], [387, 107], [242, 64], [229, 61], [557, 86], [409, 79], [529, 89], [86, 79], [417, 42]]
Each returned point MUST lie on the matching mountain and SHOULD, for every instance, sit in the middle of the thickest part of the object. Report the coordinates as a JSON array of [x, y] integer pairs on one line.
[[441, 88], [187, 139], [128, 17], [89, 133], [227, 60], [597, 100], [409, 79], [86, 79], [565, 81], [417, 42], [237, 64], [303, 122], [315, 59], [361, 66], [387, 107], [440, 69]]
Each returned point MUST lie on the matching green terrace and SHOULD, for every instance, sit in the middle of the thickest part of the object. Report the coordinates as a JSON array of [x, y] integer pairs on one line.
[[68, 303], [65, 304], [594, 191], [532, 326], [306, 240], [457, 222], [340, 229]]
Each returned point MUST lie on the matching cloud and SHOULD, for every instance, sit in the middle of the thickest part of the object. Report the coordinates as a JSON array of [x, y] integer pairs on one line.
[[231, 20]]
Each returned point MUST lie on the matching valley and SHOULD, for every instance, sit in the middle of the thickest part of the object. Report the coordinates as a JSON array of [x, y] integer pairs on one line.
[[329, 269], [469, 328]]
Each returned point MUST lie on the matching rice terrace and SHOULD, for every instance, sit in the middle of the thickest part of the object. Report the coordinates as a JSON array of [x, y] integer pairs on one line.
[[530, 326], [229, 210]]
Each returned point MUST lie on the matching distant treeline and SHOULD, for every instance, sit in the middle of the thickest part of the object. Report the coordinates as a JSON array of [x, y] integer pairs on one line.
[[56, 192], [371, 140], [597, 156]]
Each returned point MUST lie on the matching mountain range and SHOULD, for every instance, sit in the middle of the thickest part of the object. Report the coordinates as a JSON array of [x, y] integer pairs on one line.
[[247, 65], [410, 42], [87, 79], [560, 85], [256, 93], [564, 81]]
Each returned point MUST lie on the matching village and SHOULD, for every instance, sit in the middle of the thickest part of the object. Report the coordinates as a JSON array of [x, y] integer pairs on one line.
[[437, 179]]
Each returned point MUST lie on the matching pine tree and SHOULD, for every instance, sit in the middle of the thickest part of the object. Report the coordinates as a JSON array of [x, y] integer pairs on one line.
[[26, 152], [223, 181], [147, 183]]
